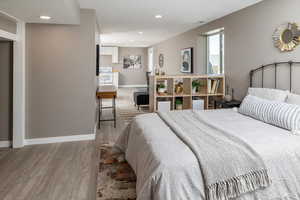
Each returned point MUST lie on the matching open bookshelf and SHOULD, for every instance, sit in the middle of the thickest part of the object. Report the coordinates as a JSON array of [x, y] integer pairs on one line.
[[181, 90]]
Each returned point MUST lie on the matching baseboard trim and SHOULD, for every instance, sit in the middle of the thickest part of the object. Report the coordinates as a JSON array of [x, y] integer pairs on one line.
[[73, 138], [5, 144], [133, 86]]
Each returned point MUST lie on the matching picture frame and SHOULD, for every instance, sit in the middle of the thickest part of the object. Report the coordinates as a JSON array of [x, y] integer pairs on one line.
[[132, 62], [187, 65]]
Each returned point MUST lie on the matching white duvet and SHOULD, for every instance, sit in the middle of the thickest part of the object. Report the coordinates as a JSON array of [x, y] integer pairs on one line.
[[167, 169]]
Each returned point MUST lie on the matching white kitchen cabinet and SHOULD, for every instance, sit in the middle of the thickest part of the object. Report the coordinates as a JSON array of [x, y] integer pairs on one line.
[[105, 51], [110, 51]]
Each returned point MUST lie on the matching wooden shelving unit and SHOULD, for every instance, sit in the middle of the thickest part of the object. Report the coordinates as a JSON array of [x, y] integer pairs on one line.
[[211, 88]]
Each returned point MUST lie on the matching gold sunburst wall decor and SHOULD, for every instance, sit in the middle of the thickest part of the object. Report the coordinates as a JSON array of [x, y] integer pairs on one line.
[[287, 37]]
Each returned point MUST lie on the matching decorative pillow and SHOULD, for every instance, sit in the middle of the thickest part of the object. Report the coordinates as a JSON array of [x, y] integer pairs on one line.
[[293, 99], [269, 94], [280, 114]]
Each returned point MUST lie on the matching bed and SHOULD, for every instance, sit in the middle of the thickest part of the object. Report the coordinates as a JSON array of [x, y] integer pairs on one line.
[[169, 166]]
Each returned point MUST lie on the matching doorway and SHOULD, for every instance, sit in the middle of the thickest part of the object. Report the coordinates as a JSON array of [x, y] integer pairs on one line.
[[16, 38], [6, 92]]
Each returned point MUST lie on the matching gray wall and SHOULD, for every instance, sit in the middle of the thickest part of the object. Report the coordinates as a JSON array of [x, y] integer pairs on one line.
[[7, 24], [61, 65], [248, 42], [128, 76], [6, 101]]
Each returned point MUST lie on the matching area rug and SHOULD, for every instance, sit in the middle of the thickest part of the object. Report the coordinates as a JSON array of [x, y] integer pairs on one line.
[[116, 179], [127, 114]]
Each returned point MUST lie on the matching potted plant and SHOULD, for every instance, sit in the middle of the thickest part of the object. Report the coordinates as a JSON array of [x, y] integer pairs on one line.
[[161, 88], [195, 85], [178, 103]]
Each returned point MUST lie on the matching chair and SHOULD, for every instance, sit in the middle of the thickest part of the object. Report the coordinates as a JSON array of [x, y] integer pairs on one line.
[[141, 97]]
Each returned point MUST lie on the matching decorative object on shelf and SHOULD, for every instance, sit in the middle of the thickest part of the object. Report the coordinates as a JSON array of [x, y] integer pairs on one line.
[[179, 88], [227, 97], [187, 60], [161, 60], [178, 104], [161, 88], [157, 71], [132, 62], [195, 86], [287, 37]]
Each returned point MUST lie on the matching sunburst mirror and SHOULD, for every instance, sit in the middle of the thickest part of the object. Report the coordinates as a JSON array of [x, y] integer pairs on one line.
[[287, 37]]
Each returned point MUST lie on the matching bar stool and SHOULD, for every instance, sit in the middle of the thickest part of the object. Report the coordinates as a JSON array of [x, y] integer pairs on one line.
[[107, 92]]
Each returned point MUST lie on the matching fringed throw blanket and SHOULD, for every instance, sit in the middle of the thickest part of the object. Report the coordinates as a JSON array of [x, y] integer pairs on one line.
[[228, 165]]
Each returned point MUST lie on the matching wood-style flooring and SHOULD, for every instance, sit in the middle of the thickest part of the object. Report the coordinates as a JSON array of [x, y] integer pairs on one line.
[[63, 171], [125, 109]]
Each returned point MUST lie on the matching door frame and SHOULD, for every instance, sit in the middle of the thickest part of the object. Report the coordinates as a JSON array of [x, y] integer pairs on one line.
[[19, 81]]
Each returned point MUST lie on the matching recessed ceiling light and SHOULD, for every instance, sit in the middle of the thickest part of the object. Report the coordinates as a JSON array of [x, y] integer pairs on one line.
[[131, 40], [140, 32], [45, 17], [158, 16]]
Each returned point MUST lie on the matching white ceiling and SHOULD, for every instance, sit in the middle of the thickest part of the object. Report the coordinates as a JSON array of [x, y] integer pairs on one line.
[[61, 11], [121, 20]]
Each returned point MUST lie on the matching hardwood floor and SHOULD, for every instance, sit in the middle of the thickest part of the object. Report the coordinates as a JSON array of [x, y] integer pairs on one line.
[[49, 172], [63, 171], [125, 110]]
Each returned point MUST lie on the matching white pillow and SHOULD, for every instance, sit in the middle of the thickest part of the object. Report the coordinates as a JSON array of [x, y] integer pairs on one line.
[[269, 94], [293, 99], [280, 114]]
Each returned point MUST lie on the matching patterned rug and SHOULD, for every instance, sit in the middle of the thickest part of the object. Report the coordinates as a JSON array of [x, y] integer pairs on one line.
[[116, 179], [127, 114]]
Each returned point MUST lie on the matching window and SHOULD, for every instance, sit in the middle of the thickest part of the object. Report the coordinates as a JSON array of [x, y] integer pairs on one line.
[[150, 59], [215, 52]]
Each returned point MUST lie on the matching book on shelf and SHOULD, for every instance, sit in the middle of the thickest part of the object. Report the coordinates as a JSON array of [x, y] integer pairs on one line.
[[217, 87], [213, 86], [209, 86]]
